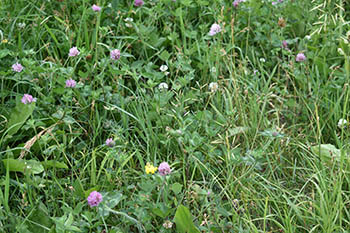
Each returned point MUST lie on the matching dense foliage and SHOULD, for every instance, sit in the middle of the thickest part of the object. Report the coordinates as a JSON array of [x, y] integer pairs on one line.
[[174, 116]]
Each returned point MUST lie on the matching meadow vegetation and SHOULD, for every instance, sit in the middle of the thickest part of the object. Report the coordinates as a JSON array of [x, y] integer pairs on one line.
[[174, 116]]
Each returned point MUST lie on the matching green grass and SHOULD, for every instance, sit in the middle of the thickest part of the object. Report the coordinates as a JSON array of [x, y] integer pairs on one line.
[[262, 153]]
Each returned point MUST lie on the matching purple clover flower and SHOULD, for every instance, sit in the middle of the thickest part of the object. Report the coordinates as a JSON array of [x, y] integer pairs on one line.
[[73, 52], [94, 199], [115, 54], [27, 99], [71, 83], [285, 44], [96, 8], [110, 142], [214, 29], [17, 67], [164, 169], [138, 3], [300, 57]]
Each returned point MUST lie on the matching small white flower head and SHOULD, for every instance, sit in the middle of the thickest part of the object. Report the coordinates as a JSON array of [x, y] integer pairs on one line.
[[308, 37], [163, 86], [213, 86], [21, 25], [128, 22], [213, 69], [163, 68], [167, 224], [340, 51], [342, 123], [214, 29], [262, 60]]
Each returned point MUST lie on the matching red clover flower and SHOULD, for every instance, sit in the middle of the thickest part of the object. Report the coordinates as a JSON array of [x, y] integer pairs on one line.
[[27, 99], [94, 199], [164, 169], [17, 67]]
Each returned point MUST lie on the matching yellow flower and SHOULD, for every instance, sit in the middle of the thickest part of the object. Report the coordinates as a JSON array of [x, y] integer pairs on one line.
[[4, 41], [150, 168]]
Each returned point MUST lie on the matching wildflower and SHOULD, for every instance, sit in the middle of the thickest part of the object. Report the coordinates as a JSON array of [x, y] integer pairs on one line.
[[110, 142], [164, 169], [73, 52], [285, 44], [262, 60], [21, 25], [167, 224], [128, 22], [308, 37], [163, 86], [342, 123], [115, 54], [17, 67], [4, 41], [94, 198], [96, 8], [300, 57], [213, 86], [150, 169], [214, 29], [27, 99], [71, 83], [163, 68], [237, 2], [274, 3], [213, 69], [138, 3]]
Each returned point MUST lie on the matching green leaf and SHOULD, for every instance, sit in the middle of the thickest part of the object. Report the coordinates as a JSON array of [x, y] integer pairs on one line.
[[164, 55], [183, 220], [40, 219], [176, 187], [24, 166], [112, 199], [18, 116], [54, 163], [159, 212], [4, 53], [327, 152]]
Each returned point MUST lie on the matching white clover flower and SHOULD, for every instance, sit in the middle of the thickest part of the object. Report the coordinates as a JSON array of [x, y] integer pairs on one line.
[[128, 22], [129, 19], [21, 25], [163, 86], [213, 86], [163, 68], [342, 123], [167, 224]]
